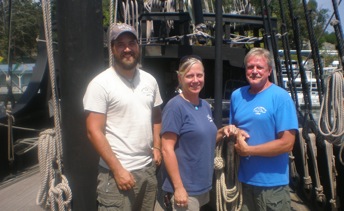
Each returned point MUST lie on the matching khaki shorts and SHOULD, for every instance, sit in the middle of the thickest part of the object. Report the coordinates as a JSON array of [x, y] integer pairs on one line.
[[141, 197], [265, 198]]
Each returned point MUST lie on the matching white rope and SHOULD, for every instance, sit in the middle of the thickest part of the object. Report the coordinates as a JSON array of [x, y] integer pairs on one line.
[[10, 120], [113, 12], [45, 165], [132, 16], [50, 141], [20, 128], [224, 195], [59, 193], [126, 11], [47, 150], [331, 119], [169, 8], [22, 146], [136, 25], [332, 174]]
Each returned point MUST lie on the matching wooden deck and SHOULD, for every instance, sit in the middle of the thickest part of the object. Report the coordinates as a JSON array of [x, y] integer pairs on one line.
[[19, 193]]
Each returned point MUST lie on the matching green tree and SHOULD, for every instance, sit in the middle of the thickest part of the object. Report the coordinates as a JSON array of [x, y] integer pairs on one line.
[[330, 38], [318, 18], [26, 20]]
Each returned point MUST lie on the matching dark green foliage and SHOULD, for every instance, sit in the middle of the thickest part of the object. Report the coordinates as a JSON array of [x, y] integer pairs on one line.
[[26, 20]]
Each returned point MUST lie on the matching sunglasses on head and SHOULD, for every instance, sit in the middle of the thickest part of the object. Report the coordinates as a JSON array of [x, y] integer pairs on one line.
[[188, 57]]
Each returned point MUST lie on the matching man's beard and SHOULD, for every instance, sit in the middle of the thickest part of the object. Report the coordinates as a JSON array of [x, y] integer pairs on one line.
[[123, 63]]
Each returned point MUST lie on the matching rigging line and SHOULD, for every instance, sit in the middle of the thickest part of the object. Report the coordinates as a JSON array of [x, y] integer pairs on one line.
[[10, 101], [339, 32], [330, 122], [132, 17], [287, 61], [305, 86], [270, 36], [332, 173], [112, 21], [46, 6], [3, 12], [50, 143], [21, 128], [10, 97], [323, 31], [318, 68], [328, 23], [137, 16]]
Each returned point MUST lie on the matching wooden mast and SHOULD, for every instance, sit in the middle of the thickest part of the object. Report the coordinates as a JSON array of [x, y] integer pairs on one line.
[[80, 56]]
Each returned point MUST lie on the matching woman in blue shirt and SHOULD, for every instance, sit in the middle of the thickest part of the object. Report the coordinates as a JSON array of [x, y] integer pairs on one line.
[[189, 137]]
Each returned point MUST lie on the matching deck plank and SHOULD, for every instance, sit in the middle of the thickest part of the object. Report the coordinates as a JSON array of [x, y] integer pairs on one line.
[[21, 193]]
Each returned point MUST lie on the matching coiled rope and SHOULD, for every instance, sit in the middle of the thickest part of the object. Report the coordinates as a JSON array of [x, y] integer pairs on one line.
[[59, 193], [331, 119], [224, 195], [50, 142]]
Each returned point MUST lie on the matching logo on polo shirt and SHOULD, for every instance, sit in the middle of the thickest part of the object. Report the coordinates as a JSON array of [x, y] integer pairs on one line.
[[209, 118], [147, 91], [259, 110]]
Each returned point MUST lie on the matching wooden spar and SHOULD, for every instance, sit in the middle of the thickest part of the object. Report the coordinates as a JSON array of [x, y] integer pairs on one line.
[[80, 41]]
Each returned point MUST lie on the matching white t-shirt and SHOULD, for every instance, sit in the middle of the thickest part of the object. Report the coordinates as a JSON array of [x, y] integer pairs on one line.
[[128, 108]]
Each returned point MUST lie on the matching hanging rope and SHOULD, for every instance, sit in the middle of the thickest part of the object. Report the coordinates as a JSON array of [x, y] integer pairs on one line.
[[224, 195], [50, 141], [130, 15], [331, 119], [47, 153], [10, 120], [332, 173], [113, 12]]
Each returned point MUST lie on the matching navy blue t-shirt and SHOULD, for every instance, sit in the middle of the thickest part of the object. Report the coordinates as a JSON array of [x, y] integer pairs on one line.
[[195, 146]]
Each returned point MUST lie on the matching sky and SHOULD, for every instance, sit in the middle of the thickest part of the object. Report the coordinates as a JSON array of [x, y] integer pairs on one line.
[[327, 4]]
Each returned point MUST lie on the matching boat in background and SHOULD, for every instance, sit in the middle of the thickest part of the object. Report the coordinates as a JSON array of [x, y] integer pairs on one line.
[[312, 85], [21, 76]]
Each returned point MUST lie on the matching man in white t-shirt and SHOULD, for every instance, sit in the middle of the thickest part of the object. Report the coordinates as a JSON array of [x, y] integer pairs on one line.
[[123, 123]]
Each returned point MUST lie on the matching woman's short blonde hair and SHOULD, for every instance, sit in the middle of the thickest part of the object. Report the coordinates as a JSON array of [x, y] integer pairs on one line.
[[186, 62]]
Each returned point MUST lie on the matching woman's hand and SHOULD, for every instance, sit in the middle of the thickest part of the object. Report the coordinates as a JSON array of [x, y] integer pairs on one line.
[[230, 130], [181, 197]]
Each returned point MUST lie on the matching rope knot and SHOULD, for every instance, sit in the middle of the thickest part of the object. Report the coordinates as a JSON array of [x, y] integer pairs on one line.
[[50, 132], [61, 193], [219, 163]]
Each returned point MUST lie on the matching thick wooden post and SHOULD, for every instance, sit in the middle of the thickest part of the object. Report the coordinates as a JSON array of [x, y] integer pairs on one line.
[[80, 57]]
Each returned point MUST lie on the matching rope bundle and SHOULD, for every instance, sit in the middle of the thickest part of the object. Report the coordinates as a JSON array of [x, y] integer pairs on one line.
[[53, 182], [224, 195], [57, 193], [48, 150], [331, 120]]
